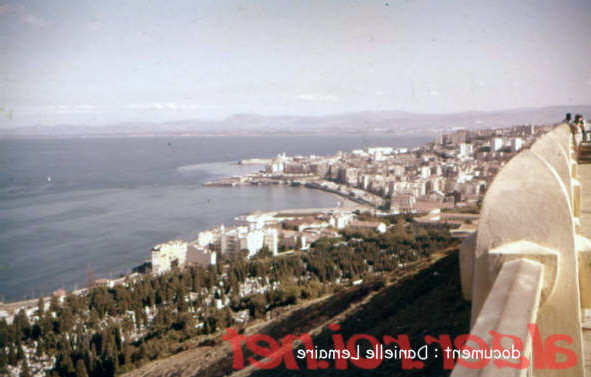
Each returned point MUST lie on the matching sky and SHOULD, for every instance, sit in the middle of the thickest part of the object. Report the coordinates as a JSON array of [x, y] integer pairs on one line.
[[102, 62]]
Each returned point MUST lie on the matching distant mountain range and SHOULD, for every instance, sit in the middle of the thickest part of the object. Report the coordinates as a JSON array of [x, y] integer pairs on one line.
[[396, 122]]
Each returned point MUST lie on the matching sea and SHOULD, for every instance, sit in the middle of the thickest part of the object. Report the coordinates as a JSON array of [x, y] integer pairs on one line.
[[70, 205]]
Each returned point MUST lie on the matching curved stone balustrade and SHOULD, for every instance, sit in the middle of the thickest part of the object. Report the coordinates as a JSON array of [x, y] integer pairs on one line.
[[527, 264], [510, 307]]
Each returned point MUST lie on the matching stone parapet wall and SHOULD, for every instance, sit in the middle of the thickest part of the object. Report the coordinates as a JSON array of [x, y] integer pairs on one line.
[[527, 264]]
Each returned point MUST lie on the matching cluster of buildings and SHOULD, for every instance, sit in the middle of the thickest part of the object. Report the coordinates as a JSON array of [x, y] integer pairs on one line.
[[453, 171], [204, 250], [282, 231]]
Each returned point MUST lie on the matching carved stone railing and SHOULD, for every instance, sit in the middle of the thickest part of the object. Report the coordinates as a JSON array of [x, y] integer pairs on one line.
[[527, 264]]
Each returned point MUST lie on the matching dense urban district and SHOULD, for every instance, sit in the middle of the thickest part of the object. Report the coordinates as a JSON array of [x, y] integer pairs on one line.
[[403, 210]]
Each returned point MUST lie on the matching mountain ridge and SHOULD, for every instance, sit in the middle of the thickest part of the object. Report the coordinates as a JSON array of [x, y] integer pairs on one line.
[[397, 122]]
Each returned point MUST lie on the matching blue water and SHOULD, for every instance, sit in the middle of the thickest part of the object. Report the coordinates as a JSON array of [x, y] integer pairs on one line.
[[110, 200]]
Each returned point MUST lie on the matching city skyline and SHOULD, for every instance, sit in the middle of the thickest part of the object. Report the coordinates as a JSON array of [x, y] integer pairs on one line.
[[101, 63]]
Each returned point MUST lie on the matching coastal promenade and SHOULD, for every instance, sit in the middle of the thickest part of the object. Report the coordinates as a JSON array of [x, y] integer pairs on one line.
[[355, 195]]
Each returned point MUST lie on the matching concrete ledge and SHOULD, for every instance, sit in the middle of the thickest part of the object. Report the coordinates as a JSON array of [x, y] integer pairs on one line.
[[573, 167], [584, 253], [577, 192], [467, 249], [534, 207], [527, 250], [511, 305], [532, 199]]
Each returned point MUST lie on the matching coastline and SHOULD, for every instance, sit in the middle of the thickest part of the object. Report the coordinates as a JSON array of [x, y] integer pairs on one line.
[[254, 161], [142, 209], [354, 195], [15, 305]]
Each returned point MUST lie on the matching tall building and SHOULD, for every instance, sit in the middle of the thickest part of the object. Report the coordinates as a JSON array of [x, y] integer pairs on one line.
[[205, 238], [250, 239], [271, 240], [497, 144], [277, 166], [425, 172], [398, 170], [516, 144], [466, 150], [165, 255], [229, 242], [340, 219]]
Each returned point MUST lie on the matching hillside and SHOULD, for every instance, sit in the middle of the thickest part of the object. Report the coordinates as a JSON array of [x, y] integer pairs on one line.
[[397, 122], [424, 299], [428, 303]]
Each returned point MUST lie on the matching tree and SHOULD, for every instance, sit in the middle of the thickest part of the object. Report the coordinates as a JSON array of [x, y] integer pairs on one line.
[[3, 361], [263, 253], [81, 369], [12, 355], [20, 353], [25, 372], [5, 337], [40, 307], [64, 365], [22, 325], [257, 304], [65, 320], [53, 304]]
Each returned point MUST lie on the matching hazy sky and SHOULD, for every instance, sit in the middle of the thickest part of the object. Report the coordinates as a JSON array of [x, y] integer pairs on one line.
[[99, 62]]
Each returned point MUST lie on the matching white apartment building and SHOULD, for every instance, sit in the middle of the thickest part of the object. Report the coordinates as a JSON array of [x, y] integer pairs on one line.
[[164, 255], [271, 240], [380, 150], [206, 238], [516, 144], [253, 240], [398, 170], [466, 150], [425, 172], [229, 242], [277, 166], [340, 219], [497, 143]]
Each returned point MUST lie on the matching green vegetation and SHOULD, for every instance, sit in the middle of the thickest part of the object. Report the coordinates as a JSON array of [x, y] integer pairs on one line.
[[113, 330], [428, 303]]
